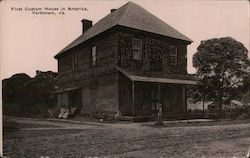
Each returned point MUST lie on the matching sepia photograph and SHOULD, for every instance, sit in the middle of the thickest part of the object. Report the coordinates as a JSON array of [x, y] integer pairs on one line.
[[120, 78]]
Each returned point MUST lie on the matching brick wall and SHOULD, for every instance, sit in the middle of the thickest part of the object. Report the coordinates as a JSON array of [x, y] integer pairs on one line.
[[106, 94], [153, 49], [77, 64], [101, 96], [125, 96], [98, 83]]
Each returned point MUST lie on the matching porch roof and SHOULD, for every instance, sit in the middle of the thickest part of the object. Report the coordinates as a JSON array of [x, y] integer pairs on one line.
[[177, 79], [66, 89]]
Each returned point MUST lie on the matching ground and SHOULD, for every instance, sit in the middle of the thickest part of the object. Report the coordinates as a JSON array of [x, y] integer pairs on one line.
[[26, 137]]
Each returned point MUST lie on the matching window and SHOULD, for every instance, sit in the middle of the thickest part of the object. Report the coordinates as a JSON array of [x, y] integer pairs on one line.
[[173, 55], [137, 48], [93, 53]]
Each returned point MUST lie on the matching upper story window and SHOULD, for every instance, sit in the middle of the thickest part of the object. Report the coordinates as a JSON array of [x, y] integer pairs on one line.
[[93, 55], [137, 48], [173, 55]]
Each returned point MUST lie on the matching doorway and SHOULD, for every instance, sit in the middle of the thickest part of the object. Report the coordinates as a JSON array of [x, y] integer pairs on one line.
[[151, 97], [75, 98]]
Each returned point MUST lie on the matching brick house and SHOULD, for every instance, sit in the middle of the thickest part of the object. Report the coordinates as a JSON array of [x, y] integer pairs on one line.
[[126, 62]]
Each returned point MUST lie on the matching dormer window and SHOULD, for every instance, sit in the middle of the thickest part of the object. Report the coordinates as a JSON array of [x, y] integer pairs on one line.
[[173, 55], [137, 48], [93, 54]]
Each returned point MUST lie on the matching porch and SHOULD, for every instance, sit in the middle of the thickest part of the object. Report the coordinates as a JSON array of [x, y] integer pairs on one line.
[[140, 95], [69, 97]]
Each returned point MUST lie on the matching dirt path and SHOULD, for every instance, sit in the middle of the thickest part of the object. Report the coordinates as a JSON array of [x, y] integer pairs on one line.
[[58, 138], [53, 123]]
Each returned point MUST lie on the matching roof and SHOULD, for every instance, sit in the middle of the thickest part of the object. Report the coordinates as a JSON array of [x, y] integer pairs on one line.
[[176, 79], [66, 89], [129, 15]]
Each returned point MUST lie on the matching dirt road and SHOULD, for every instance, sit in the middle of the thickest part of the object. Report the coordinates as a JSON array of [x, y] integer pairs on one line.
[[57, 138]]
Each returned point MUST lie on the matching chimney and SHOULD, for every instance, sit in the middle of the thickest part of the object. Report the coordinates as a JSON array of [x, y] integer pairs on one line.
[[112, 10], [86, 24]]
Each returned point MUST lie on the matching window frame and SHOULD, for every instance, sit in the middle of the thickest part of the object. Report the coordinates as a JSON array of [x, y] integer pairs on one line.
[[137, 48], [173, 49], [93, 55]]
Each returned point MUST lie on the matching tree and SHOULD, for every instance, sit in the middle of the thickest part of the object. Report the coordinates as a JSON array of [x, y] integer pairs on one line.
[[40, 89], [12, 87], [222, 65], [245, 91], [29, 94]]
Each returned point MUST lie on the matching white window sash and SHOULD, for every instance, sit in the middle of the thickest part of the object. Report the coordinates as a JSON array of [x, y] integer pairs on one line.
[[137, 48], [93, 53]]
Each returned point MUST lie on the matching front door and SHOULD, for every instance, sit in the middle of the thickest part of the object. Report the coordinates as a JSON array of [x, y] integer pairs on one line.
[[151, 99]]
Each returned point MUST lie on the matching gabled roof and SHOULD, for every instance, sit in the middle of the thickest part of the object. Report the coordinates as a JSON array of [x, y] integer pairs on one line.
[[133, 16]]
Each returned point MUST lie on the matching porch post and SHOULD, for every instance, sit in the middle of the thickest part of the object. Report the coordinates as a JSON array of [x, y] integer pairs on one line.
[[203, 104], [159, 86], [133, 97], [184, 94], [159, 105], [184, 98]]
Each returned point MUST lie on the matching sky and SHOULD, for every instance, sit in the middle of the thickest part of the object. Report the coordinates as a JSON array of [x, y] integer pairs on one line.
[[29, 42]]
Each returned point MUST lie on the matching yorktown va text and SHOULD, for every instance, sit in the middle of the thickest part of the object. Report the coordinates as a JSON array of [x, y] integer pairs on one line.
[[47, 10]]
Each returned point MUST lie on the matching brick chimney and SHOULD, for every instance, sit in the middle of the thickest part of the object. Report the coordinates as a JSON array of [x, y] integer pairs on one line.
[[112, 10], [86, 24]]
